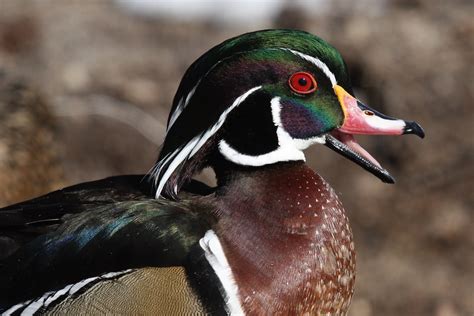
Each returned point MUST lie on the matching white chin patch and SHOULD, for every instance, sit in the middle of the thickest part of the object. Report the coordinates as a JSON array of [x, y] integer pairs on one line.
[[289, 149]]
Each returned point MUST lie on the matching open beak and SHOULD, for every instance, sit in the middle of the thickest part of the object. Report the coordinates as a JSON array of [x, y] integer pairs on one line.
[[360, 119]]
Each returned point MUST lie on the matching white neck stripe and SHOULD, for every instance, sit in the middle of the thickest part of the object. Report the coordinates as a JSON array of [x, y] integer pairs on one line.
[[216, 257]]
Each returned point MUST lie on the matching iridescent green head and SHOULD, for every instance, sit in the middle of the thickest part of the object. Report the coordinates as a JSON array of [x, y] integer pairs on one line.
[[261, 98]]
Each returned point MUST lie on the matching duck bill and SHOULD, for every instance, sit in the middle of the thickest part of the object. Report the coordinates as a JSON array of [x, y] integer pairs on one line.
[[360, 119]]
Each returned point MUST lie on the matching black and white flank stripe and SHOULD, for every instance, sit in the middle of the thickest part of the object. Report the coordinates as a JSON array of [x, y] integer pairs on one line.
[[50, 299]]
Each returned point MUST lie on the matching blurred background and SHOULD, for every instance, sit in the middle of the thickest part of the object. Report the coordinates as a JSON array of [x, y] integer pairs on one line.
[[86, 86]]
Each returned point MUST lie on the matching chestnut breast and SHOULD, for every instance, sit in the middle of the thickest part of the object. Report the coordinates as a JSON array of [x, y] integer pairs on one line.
[[288, 242]]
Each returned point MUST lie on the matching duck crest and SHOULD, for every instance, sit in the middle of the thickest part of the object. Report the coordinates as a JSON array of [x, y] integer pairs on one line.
[[288, 241]]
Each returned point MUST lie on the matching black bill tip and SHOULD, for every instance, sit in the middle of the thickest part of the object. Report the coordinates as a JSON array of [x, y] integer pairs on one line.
[[414, 128], [347, 152]]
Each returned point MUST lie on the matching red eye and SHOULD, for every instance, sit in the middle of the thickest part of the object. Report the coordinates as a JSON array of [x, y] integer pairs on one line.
[[303, 83]]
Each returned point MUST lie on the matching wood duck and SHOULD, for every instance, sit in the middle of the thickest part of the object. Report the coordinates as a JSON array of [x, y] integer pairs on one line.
[[271, 238]]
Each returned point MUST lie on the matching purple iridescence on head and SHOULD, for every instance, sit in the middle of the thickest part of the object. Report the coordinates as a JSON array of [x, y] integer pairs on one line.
[[299, 121]]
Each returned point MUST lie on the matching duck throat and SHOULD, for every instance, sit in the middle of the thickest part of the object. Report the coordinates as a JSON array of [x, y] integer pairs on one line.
[[287, 240]]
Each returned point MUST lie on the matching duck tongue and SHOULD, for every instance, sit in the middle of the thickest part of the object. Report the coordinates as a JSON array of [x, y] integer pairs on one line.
[[346, 145], [350, 141]]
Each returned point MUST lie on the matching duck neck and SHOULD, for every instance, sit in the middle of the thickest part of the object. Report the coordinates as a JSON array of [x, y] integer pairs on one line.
[[285, 236]]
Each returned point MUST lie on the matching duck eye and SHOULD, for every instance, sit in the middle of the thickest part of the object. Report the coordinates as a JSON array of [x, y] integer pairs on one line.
[[302, 82]]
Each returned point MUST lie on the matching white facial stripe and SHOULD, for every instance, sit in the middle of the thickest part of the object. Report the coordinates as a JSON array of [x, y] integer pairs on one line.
[[182, 104], [318, 63], [184, 101], [289, 149], [216, 257], [192, 147], [182, 154], [222, 118], [32, 306], [156, 170], [176, 113]]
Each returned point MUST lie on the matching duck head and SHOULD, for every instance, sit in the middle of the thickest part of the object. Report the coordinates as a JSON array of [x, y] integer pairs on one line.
[[262, 98]]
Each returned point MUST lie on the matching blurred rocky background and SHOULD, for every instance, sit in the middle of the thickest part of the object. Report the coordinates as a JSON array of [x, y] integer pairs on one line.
[[86, 86]]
